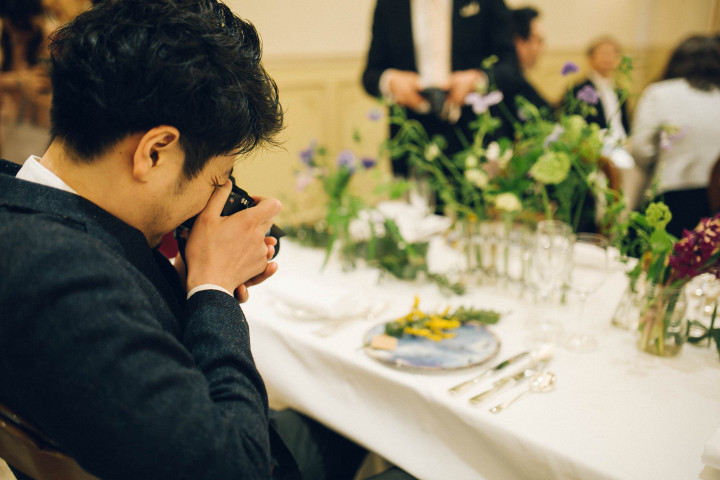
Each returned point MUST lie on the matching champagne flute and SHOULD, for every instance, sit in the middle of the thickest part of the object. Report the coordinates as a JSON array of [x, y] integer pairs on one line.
[[549, 259], [589, 269]]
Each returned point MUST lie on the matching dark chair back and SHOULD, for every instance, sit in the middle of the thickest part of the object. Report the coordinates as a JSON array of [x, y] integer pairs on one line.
[[28, 450]]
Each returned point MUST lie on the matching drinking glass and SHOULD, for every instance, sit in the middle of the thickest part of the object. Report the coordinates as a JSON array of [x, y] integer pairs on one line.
[[549, 266], [589, 269]]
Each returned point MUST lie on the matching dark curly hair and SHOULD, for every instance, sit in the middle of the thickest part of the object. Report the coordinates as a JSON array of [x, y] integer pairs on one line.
[[697, 60], [521, 18], [127, 66]]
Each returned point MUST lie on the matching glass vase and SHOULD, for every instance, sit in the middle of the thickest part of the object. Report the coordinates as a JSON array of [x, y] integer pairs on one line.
[[628, 310], [489, 247], [468, 245], [662, 325]]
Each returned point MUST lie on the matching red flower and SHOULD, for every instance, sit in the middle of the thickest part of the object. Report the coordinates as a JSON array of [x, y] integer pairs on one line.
[[694, 253]]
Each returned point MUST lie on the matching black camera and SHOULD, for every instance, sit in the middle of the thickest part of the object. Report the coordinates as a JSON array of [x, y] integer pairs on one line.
[[436, 99], [238, 200]]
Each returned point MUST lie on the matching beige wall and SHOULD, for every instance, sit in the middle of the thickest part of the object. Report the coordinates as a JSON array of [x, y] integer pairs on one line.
[[315, 51]]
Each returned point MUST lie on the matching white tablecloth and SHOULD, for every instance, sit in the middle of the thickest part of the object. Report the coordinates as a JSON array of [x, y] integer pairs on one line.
[[616, 413]]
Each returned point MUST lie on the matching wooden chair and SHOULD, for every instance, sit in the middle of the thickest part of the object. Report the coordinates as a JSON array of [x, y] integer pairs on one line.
[[714, 188], [28, 450], [612, 173]]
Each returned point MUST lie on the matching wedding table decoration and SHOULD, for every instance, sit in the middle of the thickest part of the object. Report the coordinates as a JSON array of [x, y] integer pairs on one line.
[[357, 231], [665, 267], [553, 168], [606, 402]]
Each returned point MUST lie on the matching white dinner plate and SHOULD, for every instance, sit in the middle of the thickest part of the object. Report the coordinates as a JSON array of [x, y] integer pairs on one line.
[[473, 345]]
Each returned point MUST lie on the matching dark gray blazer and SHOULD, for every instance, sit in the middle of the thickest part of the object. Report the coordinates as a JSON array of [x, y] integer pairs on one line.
[[101, 351]]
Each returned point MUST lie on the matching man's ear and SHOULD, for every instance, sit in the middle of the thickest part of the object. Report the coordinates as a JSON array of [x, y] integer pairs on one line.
[[158, 148]]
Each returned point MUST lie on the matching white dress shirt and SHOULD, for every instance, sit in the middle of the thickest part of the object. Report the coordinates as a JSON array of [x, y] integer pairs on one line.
[[431, 26], [432, 36], [33, 171], [611, 105]]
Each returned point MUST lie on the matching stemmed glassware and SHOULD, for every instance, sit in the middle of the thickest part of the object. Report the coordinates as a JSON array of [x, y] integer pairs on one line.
[[589, 269], [549, 266]]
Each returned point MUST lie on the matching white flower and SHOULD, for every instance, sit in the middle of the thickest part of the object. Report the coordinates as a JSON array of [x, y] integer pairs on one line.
[[477, 177], [596, 180], [508, 202], [493, 151], [432, 152], [367, 224], [471, 161], [505, 158]]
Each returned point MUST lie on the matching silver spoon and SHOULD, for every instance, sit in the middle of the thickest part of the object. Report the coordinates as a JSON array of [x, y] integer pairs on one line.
[[541, 382]]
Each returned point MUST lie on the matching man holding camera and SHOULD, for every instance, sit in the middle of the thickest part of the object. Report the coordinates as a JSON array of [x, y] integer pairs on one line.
[[134, 368], [426, 56]]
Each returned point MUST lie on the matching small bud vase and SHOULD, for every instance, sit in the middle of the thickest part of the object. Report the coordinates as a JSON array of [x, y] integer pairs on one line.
[[662, 325]]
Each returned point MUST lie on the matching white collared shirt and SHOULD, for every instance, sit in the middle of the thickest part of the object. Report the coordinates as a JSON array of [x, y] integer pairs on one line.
[[33, 171], [431, 22], [611, 105], [432, 37]]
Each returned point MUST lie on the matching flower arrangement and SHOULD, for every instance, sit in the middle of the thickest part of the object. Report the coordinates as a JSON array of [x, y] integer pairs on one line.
[[342, 206], [666, 264], [551, 168], [351, 223]]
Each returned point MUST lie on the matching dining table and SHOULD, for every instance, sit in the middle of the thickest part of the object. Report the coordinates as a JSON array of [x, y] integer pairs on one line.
[[615, 412]]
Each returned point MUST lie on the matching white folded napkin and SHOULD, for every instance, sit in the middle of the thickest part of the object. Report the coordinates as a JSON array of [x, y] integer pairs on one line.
[[413, 221], [711, 452], [303, 299]]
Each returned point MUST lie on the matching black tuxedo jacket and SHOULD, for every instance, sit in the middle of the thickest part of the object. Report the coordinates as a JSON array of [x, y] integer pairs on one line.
[[480, 28]]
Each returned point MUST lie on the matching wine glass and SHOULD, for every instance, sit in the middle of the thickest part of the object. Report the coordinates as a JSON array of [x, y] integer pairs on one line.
[[589, 269], [549, 266]]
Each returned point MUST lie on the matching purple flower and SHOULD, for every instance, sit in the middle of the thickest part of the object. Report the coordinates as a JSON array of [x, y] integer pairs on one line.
[[307, 155], [588, 95], [480, 103], [374, 114], [346, 159], [569, 68], [368, 162]]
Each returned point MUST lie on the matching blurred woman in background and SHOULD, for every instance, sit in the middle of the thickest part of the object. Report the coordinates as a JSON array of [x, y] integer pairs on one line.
[[24, 83], [676, 130]]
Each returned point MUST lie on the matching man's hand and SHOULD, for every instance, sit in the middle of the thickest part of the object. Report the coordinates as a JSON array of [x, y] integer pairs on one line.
[[405, 88], [241, 293], [461, 83], [231, 251]]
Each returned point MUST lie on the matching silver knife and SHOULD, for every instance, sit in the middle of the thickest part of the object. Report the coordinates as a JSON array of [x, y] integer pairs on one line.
[[463, 386], [510, 380]]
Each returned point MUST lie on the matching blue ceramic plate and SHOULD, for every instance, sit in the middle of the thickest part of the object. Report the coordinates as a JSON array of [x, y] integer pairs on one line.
[[473, 345]]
